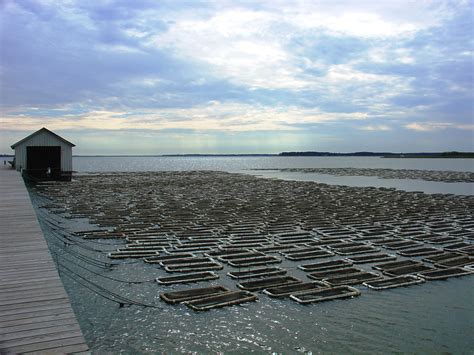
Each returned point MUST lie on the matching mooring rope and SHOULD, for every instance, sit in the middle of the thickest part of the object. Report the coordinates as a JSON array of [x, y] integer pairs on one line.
[[59, 229], [121, 300], [60, 233], [112, 278]]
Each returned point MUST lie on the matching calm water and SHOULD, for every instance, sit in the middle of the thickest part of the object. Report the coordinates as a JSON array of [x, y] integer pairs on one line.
[[247, 164], [432, 318], [435, 317], [237, 164]]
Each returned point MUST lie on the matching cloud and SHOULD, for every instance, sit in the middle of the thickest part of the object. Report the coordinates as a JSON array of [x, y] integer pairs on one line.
[[376, 128], [237, 45], [256, 47], [226, 117], [340, 66], [435, 126]]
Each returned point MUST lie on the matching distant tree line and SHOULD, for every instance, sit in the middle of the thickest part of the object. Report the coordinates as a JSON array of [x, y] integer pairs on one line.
[[452, 154], [329, 154]]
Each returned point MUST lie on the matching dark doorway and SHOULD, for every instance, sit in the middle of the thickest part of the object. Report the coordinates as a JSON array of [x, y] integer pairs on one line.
[[39, 159]]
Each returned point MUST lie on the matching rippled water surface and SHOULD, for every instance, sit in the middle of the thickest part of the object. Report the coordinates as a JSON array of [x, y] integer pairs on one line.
[[434, 317], [235, 164], [431, 318], [251, 165]]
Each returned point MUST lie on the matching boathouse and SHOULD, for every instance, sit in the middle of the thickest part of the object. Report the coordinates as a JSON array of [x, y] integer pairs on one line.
[[44, 155]]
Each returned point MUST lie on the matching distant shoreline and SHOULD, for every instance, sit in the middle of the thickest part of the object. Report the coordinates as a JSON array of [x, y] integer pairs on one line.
[[402, 156], [387, 155], [452, 154], [177, 155]]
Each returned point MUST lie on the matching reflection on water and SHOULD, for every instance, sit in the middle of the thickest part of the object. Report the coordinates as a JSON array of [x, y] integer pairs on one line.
[[429, 187], [234, 164], [247, 164], [435, 317]]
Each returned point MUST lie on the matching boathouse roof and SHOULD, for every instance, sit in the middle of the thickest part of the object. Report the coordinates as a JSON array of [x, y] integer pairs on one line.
[[42, 130]]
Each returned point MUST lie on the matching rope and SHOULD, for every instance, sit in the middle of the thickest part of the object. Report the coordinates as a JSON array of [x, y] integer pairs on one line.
[[67, 236], [121, 300], [61, 240], [59, 229], [112, 278]]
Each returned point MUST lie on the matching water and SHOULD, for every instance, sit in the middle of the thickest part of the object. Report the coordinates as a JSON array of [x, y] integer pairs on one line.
[[237, 164], [432, 318], [250, 165]]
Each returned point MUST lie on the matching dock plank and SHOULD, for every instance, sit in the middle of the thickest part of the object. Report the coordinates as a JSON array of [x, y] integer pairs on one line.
[[34, 314], [35, 311], [25, 308], [67, 345], [10, 324]]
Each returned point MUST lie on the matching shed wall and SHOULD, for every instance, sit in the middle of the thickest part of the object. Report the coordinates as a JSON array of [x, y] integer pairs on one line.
[[43, 139]]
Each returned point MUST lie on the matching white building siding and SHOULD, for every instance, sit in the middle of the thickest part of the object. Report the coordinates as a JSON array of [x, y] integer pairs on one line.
[[43, 139]]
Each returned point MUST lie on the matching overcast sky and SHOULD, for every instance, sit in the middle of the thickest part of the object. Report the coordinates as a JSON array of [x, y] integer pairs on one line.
[[159, 77]]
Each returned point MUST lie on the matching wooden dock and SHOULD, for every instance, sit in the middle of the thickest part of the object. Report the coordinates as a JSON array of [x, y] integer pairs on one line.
[[35, 312]]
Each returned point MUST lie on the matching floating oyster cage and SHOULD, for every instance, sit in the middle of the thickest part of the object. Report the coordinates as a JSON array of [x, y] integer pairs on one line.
[[132, 254], [221, 300], [253, 226], [319, 275], [371, 258], [204, 266], [159, 258], [256, 273], [396, 264], [184, 278], [264, 283], [192, 294], [406, 270], [352, 279], [326, 265], [255, 261], [455, 262], [398, 281], [443, 274], [326, 294], [294, 289]]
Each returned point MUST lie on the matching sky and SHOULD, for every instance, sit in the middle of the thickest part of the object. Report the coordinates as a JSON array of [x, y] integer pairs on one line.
[[166, 77]]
